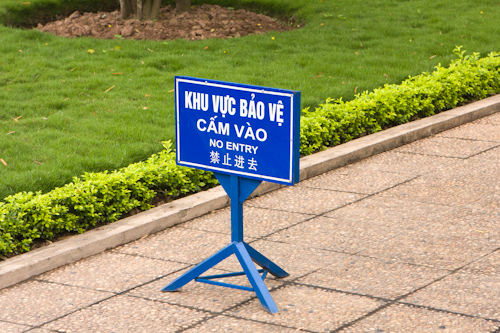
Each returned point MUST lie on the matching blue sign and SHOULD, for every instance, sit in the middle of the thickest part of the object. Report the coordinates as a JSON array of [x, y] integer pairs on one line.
[[243, 130]]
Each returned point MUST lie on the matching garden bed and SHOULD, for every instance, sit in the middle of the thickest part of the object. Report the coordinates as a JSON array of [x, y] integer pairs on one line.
[[202, 22]]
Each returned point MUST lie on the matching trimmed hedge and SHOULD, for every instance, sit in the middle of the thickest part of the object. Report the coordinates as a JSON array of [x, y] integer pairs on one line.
[[467, 79], [94, 199], [99, 198]]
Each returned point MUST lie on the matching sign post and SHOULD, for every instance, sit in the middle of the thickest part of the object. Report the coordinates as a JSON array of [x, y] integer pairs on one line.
[[244, 134]]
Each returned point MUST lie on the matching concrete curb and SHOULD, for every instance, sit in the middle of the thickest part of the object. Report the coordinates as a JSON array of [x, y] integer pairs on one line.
[[36, 262]]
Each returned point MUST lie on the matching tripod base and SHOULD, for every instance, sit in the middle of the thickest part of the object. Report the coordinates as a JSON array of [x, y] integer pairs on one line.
[[246, 255]]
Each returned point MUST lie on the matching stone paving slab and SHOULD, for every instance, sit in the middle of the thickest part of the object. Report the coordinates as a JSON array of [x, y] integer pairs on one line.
[[444, 191], [405, 215], [427, 249], [180, 245], [463, 292], [356, 181], [373, 277], [12, 328], [308, 308], [111, 271], [403, 318], [469, 224], [228, 324], [306, 201], [473, 168], [448, 147], [258, 222], [395, 162], [492, 155], [335, 235], [127, 314], [489, 265], [474, 131], [395, 213], [34, 303]]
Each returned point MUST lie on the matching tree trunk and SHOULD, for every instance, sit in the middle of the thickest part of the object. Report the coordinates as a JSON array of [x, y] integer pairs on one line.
[[142, 9], [183, 6], [125, 9], [133, 4], [155, 9], [140, 13], [146, 9]]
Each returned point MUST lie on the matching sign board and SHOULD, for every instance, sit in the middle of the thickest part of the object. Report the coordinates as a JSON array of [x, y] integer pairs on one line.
[[243, 130]]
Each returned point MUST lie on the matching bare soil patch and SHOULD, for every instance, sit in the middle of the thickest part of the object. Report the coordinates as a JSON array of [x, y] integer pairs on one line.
[[202, 22]]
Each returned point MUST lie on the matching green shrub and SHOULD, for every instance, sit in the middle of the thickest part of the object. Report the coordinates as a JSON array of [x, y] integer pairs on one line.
[[101, 198], [94, 199], [468, 78]]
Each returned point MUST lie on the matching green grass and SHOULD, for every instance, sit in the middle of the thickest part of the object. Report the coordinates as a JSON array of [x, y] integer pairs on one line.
[[71, 123]]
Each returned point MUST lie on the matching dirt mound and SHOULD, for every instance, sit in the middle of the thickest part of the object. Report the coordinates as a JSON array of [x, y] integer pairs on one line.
[[202, 22]]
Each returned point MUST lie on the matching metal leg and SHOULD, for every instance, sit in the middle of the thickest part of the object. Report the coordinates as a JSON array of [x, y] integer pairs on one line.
[[199, 269], [255, 279], [265, 263]]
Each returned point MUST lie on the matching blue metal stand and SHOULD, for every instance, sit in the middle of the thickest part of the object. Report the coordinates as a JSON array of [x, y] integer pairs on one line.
[[238, 189]]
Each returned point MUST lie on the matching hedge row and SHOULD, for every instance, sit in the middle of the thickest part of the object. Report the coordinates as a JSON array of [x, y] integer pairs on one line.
[[100, 198], [94, 199], [468, 78]]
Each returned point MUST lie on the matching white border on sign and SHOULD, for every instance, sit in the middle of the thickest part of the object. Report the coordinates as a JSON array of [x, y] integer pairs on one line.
[[219, 85]]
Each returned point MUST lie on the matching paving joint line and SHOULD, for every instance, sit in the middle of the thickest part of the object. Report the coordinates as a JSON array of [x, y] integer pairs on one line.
[[397, 300], [64, 284], [463, 139], [297, 329], [454, 157], [115, 294], [454, 271], [430, 308], [190, 307], [233, 307], [353, 322], [432, 155], [365, 196], [484, 151], [402, 262], [71, 312], [30, 326], [317, 215], [138, 255], [477, 140], [334, 190], [442, 156]]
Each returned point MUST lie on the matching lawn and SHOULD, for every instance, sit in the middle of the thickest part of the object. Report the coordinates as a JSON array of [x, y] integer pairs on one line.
[[69, 106]]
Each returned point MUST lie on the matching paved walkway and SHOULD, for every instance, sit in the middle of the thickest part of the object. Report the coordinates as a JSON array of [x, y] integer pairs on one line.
[[405, 241]]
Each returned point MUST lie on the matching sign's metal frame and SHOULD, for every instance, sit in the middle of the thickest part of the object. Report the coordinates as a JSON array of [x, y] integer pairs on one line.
[[239, 187], [286, 143]]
